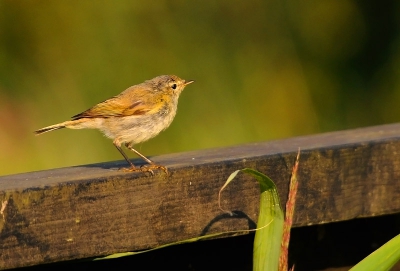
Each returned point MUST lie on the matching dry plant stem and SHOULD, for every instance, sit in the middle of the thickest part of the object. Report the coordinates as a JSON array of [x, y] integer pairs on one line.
[[290, 206]]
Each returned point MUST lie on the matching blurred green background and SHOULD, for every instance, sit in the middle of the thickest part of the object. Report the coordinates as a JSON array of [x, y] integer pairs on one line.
[[264, 70]]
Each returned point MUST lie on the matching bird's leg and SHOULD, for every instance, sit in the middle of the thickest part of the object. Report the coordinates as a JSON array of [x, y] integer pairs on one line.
[[152, 164], [118, 146]]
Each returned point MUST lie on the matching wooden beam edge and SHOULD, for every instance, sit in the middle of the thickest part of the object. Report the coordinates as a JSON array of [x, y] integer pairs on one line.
[[93, 210]]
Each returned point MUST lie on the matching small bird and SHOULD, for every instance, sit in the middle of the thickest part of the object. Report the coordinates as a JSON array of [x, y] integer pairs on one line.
[[136, 115]]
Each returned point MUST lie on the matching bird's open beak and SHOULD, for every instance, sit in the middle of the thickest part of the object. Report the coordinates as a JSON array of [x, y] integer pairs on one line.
[[188, 82]]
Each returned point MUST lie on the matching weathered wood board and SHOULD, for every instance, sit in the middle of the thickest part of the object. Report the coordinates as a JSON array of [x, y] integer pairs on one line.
[[94, 210]]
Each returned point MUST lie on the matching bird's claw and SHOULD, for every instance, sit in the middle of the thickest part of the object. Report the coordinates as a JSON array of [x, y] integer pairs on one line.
[[146, 168], [151, 167]]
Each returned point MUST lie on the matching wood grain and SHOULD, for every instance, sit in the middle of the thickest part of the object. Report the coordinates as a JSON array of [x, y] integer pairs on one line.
[[93, 210]]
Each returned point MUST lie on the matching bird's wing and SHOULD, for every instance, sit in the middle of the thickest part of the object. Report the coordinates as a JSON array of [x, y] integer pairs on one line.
[[114, 108], [128, 103]]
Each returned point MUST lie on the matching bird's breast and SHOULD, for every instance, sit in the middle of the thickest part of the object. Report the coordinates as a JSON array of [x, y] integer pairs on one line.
[[139, 128]]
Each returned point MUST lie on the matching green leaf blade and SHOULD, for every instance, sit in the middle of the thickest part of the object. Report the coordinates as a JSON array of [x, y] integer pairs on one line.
[[384, 258], [268, 237]]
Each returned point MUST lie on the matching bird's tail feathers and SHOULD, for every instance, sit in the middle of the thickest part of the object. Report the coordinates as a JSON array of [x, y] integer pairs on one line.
[[50, 128], [71, 124]]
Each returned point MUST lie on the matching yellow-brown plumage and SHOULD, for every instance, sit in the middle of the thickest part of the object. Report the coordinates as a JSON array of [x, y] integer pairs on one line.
[[134, 116]]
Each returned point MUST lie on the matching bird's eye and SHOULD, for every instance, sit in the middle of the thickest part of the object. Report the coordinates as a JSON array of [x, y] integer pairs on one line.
[[173, 86]]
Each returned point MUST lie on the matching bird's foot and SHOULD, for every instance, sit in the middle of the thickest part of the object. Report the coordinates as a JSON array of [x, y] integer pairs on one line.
[[146, 168], [151, 167]]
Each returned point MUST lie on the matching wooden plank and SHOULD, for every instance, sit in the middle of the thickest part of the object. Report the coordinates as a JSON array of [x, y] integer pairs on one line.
[[93, 210]]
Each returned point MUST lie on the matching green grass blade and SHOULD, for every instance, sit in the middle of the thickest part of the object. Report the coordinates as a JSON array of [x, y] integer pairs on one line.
[[191, 240], [381, 259], [268, 238], [267, 241]]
